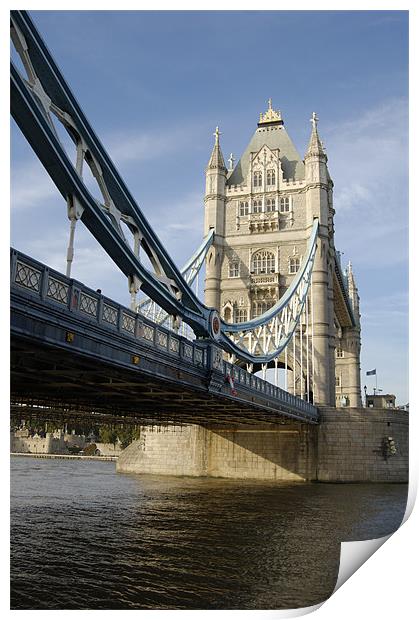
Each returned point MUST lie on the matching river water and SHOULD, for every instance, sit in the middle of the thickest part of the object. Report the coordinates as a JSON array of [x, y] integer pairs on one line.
[[85, 537]]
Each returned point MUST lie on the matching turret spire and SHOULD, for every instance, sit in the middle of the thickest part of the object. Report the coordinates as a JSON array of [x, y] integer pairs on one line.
[[353, 291], [315, 145], [217, 159]]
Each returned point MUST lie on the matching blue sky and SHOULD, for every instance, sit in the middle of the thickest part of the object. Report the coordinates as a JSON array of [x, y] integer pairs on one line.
[[154, 86]]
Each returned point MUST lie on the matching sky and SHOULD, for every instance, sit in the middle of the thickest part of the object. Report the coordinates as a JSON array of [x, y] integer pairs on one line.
[[155, 84]]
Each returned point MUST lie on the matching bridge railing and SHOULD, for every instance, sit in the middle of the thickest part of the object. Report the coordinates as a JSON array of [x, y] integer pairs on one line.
[[243, 378], [71, 296]]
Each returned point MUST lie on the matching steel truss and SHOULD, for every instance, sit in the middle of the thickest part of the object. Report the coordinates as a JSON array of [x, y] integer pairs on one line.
[[262, 339], [34, 100], [190, 272], [117, 221]]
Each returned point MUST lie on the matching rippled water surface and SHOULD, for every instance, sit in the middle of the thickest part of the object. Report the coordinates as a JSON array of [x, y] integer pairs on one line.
[[85, 537]]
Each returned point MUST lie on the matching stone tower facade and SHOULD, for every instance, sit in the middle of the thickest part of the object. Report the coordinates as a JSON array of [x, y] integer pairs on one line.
[[262, 212]]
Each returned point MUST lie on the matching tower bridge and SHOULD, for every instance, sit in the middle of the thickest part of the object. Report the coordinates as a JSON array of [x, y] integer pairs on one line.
[[263, 212], [275, 296], [75, 350]]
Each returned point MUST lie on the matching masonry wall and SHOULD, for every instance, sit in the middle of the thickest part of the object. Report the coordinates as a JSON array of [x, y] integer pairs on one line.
[[175, 450], [37, 444], [109, 449], [56, 443], [266, 452], [350, 445], [347, 446]]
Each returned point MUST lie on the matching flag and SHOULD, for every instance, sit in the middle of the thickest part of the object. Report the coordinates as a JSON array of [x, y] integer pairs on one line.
[[371, 372]]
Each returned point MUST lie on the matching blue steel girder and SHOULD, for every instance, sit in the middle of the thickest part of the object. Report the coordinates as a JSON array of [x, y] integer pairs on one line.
[[45, 93], [32, 101], [189, 272], [282, 318], [47, 306]]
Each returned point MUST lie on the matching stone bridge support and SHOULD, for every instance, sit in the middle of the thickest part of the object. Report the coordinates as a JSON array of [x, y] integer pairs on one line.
[[282, 452], [349, 445]]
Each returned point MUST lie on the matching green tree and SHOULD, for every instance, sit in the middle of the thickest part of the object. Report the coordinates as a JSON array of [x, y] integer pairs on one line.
[[125, 436], [108, 435]]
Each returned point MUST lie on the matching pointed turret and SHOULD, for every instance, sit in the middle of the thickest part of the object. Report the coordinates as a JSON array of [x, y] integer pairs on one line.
[[353, 292], [215, 198], [348, 364], [315, 146], [318, 205], [216, 160], [315, 162]]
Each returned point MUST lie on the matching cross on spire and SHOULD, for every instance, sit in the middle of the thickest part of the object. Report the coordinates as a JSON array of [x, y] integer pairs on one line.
[[216, 159], [269, 103], [314, 120], [315, 146]]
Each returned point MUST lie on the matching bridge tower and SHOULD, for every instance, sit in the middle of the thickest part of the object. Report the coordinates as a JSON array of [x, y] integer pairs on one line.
[[348, 348], [262, 211], [319, 203], [215, 198]]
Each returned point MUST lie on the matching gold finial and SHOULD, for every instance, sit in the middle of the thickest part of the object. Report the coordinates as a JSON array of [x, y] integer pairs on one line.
[[271, 116]]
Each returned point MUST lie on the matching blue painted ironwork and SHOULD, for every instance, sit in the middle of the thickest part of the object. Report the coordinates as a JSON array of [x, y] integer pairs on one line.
[[33, 100], [44, 94], [75, 307], [189, 271], [280, 321]]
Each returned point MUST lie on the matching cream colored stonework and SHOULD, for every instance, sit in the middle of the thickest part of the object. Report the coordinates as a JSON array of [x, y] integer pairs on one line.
[[274, 171]]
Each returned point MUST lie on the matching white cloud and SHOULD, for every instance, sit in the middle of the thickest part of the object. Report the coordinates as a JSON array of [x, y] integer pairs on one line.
[[179, 224], [128, 146], [369, 157], [369, 166], [30, 186]]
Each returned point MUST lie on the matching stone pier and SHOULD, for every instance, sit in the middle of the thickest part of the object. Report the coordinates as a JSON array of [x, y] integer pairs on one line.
[[349, 445]]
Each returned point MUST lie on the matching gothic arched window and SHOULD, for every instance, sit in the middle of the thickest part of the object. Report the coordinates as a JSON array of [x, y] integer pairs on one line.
[[240, 315], [257, 179], [284, 205], [294, 264], [244, 208], [234, 269], [263, 262], [270, 177], [270, 204], [257, 206], [227, 314], [259, 307]]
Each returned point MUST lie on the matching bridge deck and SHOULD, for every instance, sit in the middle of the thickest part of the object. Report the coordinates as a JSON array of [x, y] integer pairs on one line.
[[75, 350]]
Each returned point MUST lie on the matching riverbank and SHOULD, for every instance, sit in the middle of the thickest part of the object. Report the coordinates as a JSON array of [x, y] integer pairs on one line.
[[66, 456]]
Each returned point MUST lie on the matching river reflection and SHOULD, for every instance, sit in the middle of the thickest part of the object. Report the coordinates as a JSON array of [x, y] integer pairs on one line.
[[85, 537]]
